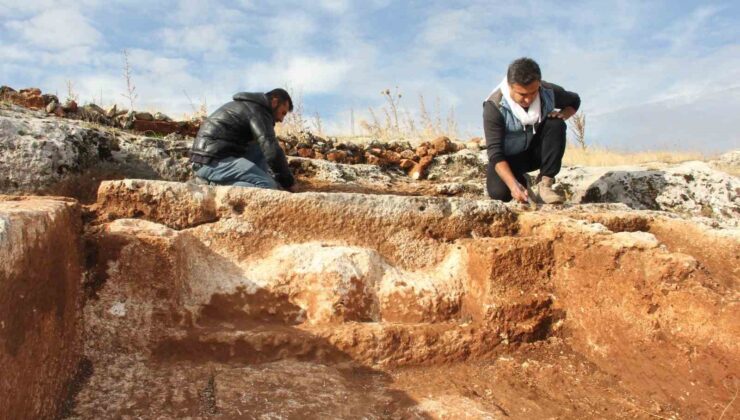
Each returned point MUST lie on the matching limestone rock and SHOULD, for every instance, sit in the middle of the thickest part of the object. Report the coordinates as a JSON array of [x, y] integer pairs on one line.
[[158, 116], [93, 108], [65, 157], [144, 116], [690, 188], [51, 107], [463, 166]]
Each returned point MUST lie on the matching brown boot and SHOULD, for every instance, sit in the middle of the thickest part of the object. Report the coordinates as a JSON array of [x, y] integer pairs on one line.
[[546, 193]]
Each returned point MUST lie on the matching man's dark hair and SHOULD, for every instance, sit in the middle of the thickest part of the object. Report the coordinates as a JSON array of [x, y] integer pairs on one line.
[[282, 96], [523, 71]]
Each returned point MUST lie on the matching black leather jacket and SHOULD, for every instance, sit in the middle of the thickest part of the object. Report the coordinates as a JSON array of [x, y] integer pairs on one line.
[[244, 128]]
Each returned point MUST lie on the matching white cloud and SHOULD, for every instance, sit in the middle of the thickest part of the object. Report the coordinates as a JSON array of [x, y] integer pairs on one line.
[[56, 28], [335, 6], [197, 38], [15, 8], [310, 74], [629, 68], [289, 31]]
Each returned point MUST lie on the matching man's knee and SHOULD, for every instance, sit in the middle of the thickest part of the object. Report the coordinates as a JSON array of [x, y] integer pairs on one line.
[[556, 124]]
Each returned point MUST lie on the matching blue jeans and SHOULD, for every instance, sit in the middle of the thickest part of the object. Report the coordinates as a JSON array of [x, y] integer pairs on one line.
[[236, 171]]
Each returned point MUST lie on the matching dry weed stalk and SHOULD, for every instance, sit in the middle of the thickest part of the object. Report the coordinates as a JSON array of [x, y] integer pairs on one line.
[[578, 128], [200, 112], [130, 94], [71, 95], [393, 99], [451, 123], [352, 121], [295, 122], [317, 124]]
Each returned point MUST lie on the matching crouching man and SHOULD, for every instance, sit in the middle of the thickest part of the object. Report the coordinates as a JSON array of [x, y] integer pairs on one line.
[[524, 124], [236, 145]]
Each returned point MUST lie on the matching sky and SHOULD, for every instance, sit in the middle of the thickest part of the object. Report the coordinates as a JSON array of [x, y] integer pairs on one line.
[[652, 75]]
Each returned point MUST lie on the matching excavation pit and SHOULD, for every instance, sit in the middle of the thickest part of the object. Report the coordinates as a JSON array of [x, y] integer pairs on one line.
[[236, 303]]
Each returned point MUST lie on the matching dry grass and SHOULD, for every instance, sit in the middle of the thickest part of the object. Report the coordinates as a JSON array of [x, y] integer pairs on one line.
[[295, 122], [398, 123], [594, 156], [199, 112], [732, 170]]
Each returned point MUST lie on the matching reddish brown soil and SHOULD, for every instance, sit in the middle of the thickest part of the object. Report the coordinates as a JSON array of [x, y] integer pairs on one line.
[[557, 317]]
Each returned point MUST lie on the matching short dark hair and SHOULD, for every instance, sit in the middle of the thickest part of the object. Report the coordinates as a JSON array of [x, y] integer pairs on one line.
[[282, 96], [523, 71]]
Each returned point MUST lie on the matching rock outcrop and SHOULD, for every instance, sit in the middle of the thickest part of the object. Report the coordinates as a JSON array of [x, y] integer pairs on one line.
[[48, 155], [42, 154]]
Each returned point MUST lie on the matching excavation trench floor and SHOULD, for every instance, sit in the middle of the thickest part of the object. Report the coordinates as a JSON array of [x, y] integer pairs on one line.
[[542, 380]]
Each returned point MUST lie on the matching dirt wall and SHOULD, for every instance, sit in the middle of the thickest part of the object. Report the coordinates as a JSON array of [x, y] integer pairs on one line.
[[40, 279]]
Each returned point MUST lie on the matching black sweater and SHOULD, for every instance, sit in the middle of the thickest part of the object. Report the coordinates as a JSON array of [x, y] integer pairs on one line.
[[494, 126]]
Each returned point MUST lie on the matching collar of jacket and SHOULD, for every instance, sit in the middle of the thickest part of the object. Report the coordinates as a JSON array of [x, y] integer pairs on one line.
[[545, 95], [255, 97]]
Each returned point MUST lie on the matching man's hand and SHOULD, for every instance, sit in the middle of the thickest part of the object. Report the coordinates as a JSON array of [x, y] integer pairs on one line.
[[519, 192], [563, 114]]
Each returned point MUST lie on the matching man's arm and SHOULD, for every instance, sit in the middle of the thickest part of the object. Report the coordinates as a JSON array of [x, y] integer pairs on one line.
[[274, 155], [494, 129], [567, 102]]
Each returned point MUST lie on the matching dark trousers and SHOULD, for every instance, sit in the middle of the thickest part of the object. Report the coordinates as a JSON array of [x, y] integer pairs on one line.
[[545, 153]]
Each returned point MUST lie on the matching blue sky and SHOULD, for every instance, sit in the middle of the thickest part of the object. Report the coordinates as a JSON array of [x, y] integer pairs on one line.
[[651, 75]]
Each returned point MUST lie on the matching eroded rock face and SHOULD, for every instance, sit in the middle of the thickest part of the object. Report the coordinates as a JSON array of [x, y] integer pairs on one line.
[[282, 281], [690, 188], [40, 299], [42, 154]]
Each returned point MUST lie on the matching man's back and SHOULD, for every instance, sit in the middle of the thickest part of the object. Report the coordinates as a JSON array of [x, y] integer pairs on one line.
[[244, 129], [228, 131]]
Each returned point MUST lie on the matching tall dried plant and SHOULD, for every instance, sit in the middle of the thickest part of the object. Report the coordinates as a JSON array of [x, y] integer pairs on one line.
[[393, 99], [71, 94], [317, 124], [578, 128], [199, 112], [295, 122], [130, 94]]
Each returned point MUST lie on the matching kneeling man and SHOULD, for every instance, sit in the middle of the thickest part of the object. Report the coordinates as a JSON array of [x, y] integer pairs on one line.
[[236, 145], [524, 124]]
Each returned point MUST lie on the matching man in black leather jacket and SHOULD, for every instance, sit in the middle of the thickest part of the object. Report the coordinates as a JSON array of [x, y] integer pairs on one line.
[[236, 145]]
